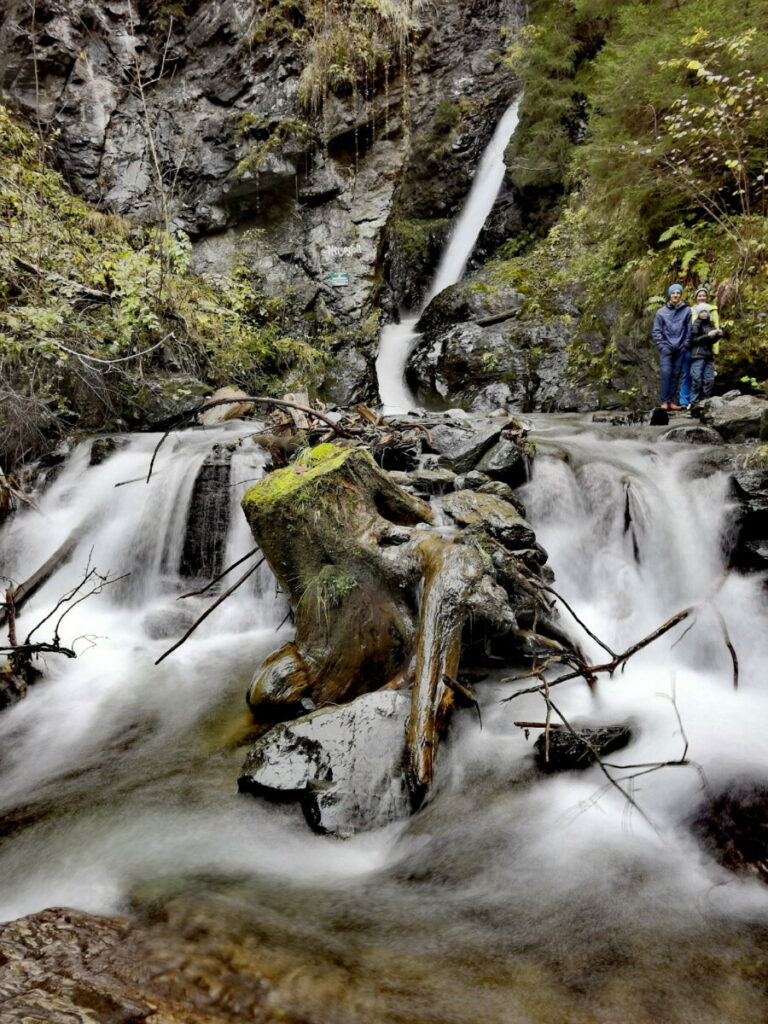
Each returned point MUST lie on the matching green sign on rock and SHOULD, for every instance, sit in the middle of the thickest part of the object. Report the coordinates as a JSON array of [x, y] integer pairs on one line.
[[339, 279]]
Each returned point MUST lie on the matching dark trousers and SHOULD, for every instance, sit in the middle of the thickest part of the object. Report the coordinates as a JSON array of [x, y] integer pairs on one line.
[[702, 379], [685, 377], [670, 359]]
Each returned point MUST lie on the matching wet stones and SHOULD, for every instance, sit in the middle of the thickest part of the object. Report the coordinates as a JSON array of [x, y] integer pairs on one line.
[[343, 764], [579, 749], [103, 447], [733, 827], [736, 417], [463, 445], [208, 517], [497, 516], [692, 433]]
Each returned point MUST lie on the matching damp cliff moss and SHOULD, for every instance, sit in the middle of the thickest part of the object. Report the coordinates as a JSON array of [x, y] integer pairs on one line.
[[101, 318]]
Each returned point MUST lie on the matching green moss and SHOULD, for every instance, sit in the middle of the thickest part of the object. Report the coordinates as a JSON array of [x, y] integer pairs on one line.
[[416, 238], [324, 592], [757, 458], [55, 349], [297, 483]]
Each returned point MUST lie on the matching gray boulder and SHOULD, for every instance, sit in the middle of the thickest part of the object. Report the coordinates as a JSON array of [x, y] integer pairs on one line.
[[464, 444], [343, 764], [736, 418], [494, 514], [507, 461]]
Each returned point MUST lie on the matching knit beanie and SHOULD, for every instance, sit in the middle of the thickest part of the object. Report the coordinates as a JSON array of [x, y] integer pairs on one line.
[[675, 288]]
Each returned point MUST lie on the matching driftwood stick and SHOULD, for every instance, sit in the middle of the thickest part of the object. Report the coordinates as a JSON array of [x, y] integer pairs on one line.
[[466, 693], [728, 644], [94, 294], [221, 598], [248, 400], [586, 628], [27, 650], [589, 671], [10, 608], [60, 557], [194, 593]]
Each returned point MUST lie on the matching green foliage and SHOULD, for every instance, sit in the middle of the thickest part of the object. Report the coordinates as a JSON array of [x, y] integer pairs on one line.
[[415, 238], [345, 44], [67, 352], [668, 180], [549, 55], [269, 136]]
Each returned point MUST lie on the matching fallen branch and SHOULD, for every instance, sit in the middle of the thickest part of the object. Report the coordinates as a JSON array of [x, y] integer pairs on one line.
[[94, 294], [466, 693], [208, 611], [590, 671], [599, 761], [727, 641], [194, 593], [583, 625], [257, 400], [60, 557]]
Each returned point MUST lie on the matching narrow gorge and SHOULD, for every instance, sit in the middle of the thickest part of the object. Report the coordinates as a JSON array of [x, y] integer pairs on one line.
[[375, 650]]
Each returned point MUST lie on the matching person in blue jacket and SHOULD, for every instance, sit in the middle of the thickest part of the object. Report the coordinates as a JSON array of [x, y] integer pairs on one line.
[[672, 337]]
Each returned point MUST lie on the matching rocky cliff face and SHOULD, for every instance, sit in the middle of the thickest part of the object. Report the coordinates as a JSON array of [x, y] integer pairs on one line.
[[193, 114]]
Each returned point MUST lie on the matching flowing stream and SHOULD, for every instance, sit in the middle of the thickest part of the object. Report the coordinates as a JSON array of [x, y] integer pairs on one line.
[[513, 896], [397, 340]]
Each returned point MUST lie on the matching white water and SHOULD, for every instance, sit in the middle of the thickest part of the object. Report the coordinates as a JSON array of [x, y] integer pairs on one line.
[[397, 340], [118, 777]]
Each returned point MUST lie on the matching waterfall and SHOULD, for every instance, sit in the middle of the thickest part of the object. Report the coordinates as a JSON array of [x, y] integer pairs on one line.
[[397, 340]]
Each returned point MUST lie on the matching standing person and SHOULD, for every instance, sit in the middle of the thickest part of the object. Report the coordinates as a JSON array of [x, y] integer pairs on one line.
[[702, 295], [671, 336], [704, 338], [686, 392]]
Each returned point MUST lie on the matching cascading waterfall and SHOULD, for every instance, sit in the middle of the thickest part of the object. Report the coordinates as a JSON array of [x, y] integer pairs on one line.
[[512, 897], [397, 340]]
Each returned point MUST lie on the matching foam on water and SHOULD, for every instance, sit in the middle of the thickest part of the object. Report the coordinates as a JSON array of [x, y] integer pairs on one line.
[[117, 776]]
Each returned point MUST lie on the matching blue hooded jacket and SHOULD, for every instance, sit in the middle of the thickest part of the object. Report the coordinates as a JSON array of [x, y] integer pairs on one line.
[[672, 326]]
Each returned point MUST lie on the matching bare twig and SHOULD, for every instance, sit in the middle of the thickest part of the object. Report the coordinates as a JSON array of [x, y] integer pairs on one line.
[[208, 611], [194, 593], [586, 628], [94, 294], [465, 693], [590, 671], [599, 761], [728, 644]]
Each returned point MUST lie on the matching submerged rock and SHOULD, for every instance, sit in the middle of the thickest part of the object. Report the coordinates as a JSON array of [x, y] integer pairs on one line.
[[205, 535], [692, 433], [345, 765], [734, 827], [103, 447], [578, 749]]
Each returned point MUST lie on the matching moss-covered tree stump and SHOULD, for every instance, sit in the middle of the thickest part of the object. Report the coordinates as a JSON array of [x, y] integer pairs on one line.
[[381, 598], [333, 527]]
